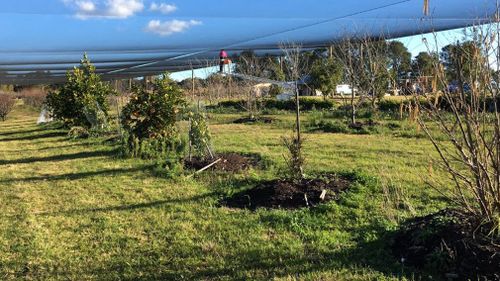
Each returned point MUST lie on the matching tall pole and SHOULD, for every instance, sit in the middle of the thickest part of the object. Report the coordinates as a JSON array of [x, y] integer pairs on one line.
[[297, 111], [192, 82]]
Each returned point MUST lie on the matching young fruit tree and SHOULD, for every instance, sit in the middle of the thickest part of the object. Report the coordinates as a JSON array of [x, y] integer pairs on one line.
[[149, 121], [199, 135], [83, 100], [296, 67]]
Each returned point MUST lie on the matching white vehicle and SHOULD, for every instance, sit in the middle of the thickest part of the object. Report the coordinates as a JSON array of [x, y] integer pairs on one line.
[[344, 90]]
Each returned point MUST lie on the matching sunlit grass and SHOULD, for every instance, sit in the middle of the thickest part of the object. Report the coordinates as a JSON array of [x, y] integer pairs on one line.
[[75, 210]]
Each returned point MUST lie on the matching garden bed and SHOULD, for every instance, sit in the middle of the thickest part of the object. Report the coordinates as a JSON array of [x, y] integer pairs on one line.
[[450, 243], [363, 124], [287, 194], [250, 120], [230, 162]]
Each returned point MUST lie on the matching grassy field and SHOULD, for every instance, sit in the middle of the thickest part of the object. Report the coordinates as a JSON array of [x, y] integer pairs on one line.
[[75, 210]]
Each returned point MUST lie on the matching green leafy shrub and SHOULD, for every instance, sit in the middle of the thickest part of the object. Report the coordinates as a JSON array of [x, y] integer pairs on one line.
[[199, 134], [306, 104], [7, 103], [78, 133], [83, 100], [294, 158], [149, 121], [329, 126], [390, 105]]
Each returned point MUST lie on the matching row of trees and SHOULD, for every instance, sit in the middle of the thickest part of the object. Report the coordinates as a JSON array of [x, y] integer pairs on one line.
[[147, 123], [378, 64]]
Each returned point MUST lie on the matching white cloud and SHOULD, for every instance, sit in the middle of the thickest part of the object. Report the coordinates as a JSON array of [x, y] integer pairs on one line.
[[170, 27], [86, 6], [114, 9], [163, 8]]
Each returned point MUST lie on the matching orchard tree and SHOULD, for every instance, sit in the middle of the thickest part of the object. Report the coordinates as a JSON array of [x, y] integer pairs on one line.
[[460, 57], [375, 60], [326, 74], [248, 63], [399, 59], [425, 63], [83, 99], [150, 118]]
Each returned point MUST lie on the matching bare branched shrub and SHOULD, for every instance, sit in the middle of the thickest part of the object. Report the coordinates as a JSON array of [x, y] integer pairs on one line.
[[469, 118], [296, 68], [348, 53], [366, 64], [7, 103], [33, 97]]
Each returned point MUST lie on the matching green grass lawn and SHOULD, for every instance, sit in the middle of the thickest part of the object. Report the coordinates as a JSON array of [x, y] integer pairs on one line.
[[75, 210]]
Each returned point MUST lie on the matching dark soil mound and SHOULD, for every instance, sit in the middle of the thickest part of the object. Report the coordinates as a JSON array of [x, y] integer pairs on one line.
[[231, 162], [249, 120], [450, 243], [287, 194], [361, 125]]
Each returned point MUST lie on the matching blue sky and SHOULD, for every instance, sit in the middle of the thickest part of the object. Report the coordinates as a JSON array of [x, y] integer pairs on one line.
[[53, 34], [191, 24]]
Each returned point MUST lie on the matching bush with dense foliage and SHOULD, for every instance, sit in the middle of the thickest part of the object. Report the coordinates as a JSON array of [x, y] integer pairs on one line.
[[149, 120], [83, 99], [7, 103], [306, 104], [199, 134]]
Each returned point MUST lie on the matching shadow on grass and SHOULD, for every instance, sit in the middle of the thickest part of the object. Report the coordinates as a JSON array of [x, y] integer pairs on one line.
[[72, 145], [56, 158], [129, 207], [21, 122], [35, 137], [374, 256], [6, 134], [267, 264], [78, 176]]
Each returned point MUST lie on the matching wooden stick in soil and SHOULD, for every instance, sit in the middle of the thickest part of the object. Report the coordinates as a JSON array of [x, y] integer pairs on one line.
[[210, 151], [190, 142], [207, 167], [297, 111]]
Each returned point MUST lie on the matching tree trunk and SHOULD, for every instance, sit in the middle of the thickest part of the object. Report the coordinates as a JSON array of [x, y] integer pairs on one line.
[[297, 111], [353, 107]]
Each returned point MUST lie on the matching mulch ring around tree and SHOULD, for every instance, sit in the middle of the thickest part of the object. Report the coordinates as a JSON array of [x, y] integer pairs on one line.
[[254, 120], [450, 243], [229, 162], [287, 194]]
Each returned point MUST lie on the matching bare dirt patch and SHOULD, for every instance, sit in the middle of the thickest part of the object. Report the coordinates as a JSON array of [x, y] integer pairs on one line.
[[451, 243], [254, 120], [287, 194], [230, 162]]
